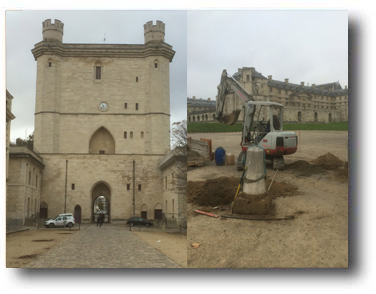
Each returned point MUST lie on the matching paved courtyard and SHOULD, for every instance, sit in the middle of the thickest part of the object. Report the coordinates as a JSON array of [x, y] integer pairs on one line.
[[106, 247]]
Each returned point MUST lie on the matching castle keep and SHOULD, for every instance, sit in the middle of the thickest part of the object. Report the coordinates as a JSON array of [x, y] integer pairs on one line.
[[102, 126]]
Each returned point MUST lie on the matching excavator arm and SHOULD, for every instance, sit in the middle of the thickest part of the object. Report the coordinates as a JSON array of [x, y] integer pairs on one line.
[[229, 85]]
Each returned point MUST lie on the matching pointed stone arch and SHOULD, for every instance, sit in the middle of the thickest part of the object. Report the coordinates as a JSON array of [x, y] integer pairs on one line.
[[144, 211], [43, 210], [101, 189], [102, 142], [158, 211], [77, 214]]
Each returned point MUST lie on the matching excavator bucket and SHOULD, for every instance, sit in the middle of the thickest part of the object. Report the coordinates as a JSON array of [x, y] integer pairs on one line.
[[231, 118]]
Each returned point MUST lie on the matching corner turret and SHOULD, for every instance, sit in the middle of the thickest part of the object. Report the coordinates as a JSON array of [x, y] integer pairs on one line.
[[53, 31], [154, 33]]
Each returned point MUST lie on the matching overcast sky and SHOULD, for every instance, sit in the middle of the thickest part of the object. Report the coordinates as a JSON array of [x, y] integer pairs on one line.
[[303, 45], [24, 30]]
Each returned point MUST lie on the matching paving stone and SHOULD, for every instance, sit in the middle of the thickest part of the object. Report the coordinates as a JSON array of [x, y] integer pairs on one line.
[[106, 247]]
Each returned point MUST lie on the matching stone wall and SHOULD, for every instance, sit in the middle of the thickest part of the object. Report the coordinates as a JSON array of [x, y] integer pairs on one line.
[[86, 171]]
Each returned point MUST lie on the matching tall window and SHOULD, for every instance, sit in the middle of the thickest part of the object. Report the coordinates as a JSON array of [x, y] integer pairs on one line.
[[125, 135], [98, 72], [136, 106], [125, 105]]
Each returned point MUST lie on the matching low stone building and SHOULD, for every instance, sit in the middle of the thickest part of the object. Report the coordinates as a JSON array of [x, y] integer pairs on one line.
[[200, 110], [23, 187]]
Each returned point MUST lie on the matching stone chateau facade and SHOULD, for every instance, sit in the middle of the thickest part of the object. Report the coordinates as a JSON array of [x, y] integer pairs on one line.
[[302, 103], [102, 127]]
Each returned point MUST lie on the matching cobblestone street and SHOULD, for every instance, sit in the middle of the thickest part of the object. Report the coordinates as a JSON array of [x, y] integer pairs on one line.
[[106, 247]]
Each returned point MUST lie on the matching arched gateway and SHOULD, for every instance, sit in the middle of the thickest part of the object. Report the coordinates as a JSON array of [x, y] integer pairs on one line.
[[101, 201]]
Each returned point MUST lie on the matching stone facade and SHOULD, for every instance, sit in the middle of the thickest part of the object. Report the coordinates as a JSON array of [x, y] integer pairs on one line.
[[174, 176], [102, 124], [23, 186], [316, 103], [9, 118], [200, 110], [302, 104]]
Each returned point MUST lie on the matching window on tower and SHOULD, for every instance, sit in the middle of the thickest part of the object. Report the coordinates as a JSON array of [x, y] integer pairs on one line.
[[136, 106], [98, 72]]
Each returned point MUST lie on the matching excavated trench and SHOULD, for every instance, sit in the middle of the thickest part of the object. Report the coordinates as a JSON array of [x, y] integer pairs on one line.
[[221, 191]]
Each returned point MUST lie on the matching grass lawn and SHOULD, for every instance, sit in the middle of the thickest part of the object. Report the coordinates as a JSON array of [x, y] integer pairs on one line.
[[223, 128]]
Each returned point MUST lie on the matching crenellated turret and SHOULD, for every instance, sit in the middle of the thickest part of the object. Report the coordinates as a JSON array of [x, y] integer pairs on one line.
[[53, 31], [154, 33]]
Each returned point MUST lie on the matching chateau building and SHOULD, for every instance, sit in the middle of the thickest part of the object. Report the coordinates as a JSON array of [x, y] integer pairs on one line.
[[302, 103], [102, 126]]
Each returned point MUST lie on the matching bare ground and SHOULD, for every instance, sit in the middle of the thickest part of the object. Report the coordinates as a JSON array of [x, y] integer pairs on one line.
[[171, 244], [23, 247], [317, 237]]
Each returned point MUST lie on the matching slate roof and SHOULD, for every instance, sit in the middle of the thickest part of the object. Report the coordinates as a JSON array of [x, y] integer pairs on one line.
[[256, 74], [201, 103], [297, 88]]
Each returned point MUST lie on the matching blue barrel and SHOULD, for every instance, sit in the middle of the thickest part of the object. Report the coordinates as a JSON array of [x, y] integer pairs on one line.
[[220, 156]]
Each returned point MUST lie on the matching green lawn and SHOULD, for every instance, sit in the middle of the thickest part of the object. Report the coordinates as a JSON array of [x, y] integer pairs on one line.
[[223, 128]]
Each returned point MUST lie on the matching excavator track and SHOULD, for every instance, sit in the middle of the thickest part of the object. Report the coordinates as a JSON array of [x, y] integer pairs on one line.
[[278, 163]]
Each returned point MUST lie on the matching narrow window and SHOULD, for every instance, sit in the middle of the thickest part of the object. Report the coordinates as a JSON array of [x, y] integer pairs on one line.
[[98, 72], [139, 187], [142, 135], [125, 135], [136, 106], [102, 152], [270, 89], [131, 135], [247, 78], [49, 64], [29, 177], [125, 105], [73, 186], [136, 79], [156, 65], [128, 186], [36, 181], [173, 208], [165, 182]]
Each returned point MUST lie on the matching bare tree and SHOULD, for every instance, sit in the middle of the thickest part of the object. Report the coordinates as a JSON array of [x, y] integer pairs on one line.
[[179, 150]]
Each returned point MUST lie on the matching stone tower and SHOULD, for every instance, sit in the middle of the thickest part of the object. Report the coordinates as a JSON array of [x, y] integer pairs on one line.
[[154, 33], [102, 122], [53, 31]]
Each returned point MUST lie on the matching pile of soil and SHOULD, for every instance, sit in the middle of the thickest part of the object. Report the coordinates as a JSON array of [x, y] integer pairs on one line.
[[221, 191], [328, 161], [319, 165]]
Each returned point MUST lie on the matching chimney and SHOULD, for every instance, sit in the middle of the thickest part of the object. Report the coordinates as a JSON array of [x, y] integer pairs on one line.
[[270, 78], [194, 97], [302, 84], [286, 81], [313, 86], [208, 99], [345, 87]]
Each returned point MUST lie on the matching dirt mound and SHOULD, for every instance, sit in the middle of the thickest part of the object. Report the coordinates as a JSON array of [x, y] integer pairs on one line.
[[328, 161], [298, 164], [221, 191]]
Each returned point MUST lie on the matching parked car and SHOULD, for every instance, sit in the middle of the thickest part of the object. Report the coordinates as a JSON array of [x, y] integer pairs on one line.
[[139, 221], [62, 220]]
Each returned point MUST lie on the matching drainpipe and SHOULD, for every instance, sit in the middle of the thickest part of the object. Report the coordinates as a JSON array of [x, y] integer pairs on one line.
[[134, 188], [66, 177]]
